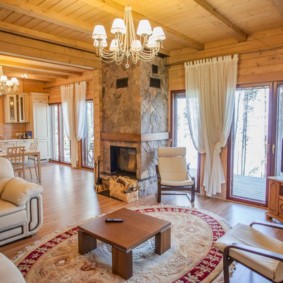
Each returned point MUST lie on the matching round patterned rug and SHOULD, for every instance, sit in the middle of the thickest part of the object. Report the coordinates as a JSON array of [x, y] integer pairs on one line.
[[192, 257]]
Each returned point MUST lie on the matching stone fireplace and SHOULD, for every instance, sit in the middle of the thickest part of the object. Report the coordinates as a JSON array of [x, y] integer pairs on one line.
[[134, 119]]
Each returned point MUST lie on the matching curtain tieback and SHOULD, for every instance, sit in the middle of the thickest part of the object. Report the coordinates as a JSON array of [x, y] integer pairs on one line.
[[217, 147]]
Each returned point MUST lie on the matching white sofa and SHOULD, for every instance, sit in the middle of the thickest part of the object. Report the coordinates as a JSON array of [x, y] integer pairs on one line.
[[9, 273], [20, 205]]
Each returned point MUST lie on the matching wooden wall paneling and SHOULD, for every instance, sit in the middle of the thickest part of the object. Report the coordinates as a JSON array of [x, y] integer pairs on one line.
[[259, 41]]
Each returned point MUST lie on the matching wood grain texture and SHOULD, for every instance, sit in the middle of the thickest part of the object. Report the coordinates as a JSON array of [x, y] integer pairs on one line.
[[69, 197]]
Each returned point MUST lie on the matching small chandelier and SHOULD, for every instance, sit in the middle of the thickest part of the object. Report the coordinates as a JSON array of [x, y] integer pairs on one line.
[[126, 45], [7, 86]]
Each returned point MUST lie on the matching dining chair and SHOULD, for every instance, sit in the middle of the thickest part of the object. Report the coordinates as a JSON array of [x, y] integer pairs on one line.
[[31, 160], [16, 156], [172, 173]]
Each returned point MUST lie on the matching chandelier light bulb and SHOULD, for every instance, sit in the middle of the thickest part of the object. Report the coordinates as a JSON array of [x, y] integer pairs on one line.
[[126, 46]]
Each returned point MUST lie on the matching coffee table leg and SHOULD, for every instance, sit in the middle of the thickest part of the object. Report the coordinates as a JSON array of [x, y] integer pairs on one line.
[[122, 263], [163, 241], [86, 242]]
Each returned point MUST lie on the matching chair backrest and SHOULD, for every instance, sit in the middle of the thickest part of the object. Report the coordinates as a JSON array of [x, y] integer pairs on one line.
[[33, 146], [172, 163], [16, 155]]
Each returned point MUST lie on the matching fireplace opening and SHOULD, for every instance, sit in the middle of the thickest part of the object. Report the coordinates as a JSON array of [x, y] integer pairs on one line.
[[123, 160]]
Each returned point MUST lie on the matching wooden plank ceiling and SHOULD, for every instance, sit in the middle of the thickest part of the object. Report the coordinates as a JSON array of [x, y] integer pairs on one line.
[[49, 39]]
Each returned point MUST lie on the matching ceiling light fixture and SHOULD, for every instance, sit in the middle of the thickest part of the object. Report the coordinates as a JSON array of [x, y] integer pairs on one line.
[[125, 44], [6, 85]]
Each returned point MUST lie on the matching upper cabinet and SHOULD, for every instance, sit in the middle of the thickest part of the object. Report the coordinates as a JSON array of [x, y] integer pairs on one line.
[[15, 108]]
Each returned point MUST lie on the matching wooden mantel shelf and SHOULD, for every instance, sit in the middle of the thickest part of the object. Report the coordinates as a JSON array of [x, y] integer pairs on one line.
[[134, 137]]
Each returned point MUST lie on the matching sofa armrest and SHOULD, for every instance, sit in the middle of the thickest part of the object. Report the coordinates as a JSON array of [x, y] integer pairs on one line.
[[18, 191]]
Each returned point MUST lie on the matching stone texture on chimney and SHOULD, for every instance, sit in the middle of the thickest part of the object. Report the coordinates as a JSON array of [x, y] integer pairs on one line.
[[135, 116]]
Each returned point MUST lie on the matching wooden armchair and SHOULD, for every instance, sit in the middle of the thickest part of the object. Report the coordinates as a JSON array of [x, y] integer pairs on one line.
[[254, 249], [172, 173]]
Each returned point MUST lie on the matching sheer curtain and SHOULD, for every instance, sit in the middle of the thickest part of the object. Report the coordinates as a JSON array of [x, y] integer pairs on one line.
[[80, 117], [210, 89], [73, 110]]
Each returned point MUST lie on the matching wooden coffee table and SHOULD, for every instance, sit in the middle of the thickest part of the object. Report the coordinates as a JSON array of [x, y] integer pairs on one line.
[[124, 237]]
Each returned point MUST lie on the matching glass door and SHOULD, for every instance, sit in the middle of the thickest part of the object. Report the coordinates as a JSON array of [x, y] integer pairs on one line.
[[181, 134], [250, 145], [88, 141], [60, 144]]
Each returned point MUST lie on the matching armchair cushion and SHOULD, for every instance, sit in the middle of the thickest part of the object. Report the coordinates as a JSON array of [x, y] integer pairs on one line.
[[18, 191], [7, 207], [3, 182], [251, 237], [177, 183]]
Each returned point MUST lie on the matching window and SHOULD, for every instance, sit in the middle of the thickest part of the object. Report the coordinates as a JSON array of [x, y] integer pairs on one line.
[[182, 136], [60, 144], [88, 141]]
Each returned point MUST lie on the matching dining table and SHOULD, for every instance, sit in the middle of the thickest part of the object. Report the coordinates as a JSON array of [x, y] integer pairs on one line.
[[28, 153]]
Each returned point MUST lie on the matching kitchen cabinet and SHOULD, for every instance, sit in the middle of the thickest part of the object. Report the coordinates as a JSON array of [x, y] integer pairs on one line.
[[15, 108]]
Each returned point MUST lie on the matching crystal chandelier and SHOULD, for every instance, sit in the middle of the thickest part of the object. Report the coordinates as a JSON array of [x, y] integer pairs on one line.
[[126, 45], [7, 86]]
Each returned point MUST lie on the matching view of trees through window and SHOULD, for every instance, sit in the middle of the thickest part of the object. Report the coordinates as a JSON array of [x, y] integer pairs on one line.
[[182, 135], [250, 143], [88, 141]]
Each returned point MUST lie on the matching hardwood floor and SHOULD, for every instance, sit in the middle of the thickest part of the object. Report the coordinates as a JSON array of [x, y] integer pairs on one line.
[[69, 197]]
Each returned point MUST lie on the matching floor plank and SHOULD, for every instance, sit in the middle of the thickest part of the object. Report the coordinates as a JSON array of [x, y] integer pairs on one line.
[[69, 197]]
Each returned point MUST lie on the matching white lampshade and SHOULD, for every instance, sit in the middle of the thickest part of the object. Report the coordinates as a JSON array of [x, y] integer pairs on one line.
[[158, 34], [15, 81], [151, 43], [114, 45], [144, 28], [118, 26], [3, 79], [9, 83], [99, 32], [136, 45]]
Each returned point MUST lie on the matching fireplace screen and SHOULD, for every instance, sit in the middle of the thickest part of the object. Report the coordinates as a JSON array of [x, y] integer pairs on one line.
[[123, 160]]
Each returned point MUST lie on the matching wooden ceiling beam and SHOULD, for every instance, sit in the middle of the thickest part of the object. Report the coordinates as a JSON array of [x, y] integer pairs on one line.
[[30, 77], [34, 68], [14, 45], [46, 37], [46, 15], [237, 32], [117, 9], [279, 5], [34, 72]]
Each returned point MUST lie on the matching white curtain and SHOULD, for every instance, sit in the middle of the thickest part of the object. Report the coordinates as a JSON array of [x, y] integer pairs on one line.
[[210, 92], [73, 110]]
